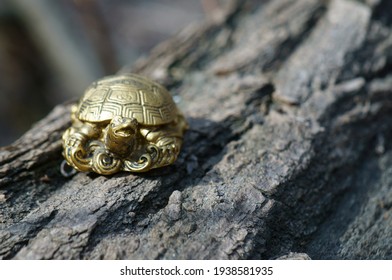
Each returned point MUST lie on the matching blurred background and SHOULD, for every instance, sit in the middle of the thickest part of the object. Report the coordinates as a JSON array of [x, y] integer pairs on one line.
[[50, 51]]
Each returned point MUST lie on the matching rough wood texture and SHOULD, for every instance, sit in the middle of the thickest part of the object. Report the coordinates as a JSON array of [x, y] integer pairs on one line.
[[290, 109]]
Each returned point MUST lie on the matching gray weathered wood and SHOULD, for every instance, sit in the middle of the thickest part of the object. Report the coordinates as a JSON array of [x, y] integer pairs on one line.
[[290, 112]]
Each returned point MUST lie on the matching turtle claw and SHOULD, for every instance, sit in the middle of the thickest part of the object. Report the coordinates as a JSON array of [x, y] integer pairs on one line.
[[74, 141], [74, 151], [168, 154]]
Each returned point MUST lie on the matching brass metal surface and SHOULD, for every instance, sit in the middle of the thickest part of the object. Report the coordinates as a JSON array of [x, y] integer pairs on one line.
[[124, 123]]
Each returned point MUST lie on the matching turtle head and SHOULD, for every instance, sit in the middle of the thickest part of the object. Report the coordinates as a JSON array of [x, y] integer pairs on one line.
[[122, 127], [120, 135]]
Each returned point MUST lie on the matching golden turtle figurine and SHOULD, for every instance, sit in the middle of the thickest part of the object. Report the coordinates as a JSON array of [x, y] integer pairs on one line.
[[124, 122]]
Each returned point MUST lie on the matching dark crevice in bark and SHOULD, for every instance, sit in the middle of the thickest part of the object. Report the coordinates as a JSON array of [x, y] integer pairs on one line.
[[382, 12], [378, 63], [290, 45]]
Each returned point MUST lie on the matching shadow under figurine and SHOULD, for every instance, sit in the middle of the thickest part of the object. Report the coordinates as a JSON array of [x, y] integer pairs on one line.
[[124, 123]]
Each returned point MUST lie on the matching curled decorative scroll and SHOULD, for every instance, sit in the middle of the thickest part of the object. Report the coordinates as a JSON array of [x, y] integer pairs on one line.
[[104, 162], [144, 162]]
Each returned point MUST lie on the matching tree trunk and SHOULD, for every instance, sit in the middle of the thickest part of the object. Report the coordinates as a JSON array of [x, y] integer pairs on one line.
[[290, 112]]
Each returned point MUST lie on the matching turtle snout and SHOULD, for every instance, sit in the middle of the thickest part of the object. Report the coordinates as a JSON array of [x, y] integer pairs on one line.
[[123, 127]]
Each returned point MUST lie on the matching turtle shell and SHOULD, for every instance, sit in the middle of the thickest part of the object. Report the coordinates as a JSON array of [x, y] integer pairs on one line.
[[129, 96]]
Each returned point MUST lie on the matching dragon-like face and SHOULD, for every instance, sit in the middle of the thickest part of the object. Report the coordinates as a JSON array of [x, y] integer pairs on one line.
[[120, 134], [121, 127]]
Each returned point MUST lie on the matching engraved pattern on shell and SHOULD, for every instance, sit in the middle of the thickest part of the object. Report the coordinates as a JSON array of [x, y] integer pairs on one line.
[[129, 96]]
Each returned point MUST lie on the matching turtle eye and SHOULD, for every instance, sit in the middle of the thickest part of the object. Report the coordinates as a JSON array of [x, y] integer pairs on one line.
[[117, 119]]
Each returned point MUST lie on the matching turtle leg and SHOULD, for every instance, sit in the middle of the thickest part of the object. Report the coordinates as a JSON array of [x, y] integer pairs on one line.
[[167, 139], [168, 146], [75, 143]]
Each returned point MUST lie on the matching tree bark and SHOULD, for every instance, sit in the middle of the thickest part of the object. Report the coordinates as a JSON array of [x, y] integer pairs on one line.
[[290, 112]]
